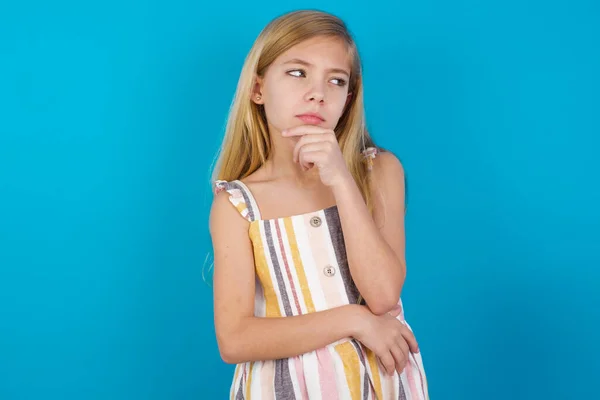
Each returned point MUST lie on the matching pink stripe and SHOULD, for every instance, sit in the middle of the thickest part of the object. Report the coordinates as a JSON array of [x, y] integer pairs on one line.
[[420, 372], [326, 374], [410, 370], [266, 380], [410, 377], [322, 251], [287, 269], [301, 381]]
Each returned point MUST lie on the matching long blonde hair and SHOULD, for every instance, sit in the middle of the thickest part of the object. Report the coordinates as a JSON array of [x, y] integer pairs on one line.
[[247, 146]]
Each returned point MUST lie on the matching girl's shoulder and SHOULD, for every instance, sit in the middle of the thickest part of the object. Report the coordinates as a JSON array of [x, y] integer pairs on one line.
[[239, 196], [382, 159]]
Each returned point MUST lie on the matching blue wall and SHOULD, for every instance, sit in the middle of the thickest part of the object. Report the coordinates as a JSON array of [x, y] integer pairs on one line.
[[110, 117]]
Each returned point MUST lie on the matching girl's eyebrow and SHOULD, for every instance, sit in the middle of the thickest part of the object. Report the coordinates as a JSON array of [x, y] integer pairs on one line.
[[307, 64]]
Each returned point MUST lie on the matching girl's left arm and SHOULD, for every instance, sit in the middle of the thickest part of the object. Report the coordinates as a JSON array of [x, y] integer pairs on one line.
[[375, 245]]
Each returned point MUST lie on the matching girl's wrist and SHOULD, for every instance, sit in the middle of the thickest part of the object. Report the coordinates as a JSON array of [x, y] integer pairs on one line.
[[343, 184], [356, 320]]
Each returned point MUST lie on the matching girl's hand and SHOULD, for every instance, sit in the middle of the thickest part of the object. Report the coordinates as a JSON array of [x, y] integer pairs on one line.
[[319, 147], [388, 338]]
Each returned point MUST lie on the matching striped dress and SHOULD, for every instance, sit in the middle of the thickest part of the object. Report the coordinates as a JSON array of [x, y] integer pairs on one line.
[[301, 267]]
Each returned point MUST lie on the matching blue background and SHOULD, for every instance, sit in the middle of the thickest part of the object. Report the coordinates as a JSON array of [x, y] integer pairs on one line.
[[111, 114]]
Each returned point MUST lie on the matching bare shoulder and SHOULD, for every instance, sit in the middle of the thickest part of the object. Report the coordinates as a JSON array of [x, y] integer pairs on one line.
[[387, 168], [388, 190], [224, 217]]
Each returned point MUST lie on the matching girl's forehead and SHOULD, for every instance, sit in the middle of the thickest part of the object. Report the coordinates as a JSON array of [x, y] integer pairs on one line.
[[328, 50]]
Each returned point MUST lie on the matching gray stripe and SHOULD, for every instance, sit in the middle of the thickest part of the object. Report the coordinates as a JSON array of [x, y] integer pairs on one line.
[[246, 198], [337, 238], [240, 392], [401, 394], [366, 377], [284, 389], [276, 268]]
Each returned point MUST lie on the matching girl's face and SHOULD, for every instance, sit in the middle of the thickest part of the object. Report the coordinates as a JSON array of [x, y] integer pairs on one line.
[[306, 85]]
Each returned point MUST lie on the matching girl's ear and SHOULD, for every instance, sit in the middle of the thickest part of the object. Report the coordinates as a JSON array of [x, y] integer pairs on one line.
[[348, 98], [257, 96]]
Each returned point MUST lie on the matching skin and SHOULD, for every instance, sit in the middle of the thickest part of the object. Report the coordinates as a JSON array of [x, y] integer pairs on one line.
[[305, 172]]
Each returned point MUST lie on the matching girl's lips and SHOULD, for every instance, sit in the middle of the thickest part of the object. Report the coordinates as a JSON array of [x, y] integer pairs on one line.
[[311, 119]]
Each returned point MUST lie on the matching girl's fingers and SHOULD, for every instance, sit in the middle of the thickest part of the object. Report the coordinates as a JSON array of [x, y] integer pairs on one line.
[[304, 141], [388, 362], [410, 339], [305, 130], [309, 157], [399, 358]]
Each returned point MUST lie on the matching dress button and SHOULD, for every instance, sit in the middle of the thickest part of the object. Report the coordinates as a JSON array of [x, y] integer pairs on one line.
[[329, 271], [315, 221]]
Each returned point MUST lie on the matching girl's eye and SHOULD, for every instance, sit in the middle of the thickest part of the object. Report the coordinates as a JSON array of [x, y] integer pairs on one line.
[[340, 82], [296, 72], [299, 73]]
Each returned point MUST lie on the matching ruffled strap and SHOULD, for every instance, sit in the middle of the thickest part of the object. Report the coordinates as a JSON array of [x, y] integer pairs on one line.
[[369, 154], [241, 198]]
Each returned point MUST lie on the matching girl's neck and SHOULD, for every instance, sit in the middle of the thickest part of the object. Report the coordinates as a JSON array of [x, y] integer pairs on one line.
[[281, 165]]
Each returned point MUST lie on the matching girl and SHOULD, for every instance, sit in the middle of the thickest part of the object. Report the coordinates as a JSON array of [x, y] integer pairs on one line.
[[309, 260]]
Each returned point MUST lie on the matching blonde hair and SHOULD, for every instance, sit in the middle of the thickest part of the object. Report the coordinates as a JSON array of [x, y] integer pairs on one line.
[[247, 145]]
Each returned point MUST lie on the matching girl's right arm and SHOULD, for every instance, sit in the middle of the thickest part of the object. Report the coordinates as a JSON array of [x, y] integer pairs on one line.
[[243, 337]]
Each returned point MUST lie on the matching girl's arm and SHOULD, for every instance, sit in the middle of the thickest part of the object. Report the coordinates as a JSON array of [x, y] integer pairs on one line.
[[240, 335], [375, 245]]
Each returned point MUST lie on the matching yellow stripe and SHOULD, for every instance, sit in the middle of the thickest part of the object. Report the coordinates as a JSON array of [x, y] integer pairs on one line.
[[375, 373], [351, 362], [241, 207], [249, 381], [310, 307], [262, 270]]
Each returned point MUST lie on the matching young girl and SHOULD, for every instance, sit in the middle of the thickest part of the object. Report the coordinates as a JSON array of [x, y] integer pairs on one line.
[[307, 226]]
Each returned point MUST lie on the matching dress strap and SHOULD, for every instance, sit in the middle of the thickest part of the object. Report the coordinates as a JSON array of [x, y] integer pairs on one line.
[[369, 154], [241, 197]]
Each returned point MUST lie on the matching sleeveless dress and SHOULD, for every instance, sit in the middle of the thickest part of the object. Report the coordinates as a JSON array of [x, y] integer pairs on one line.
[[301, 267]]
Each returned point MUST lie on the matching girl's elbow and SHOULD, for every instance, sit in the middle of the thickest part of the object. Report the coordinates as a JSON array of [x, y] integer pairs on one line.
[[385, 302], [231, 342], [381, 307], [229, 359], [228, 350], [228, 355]]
